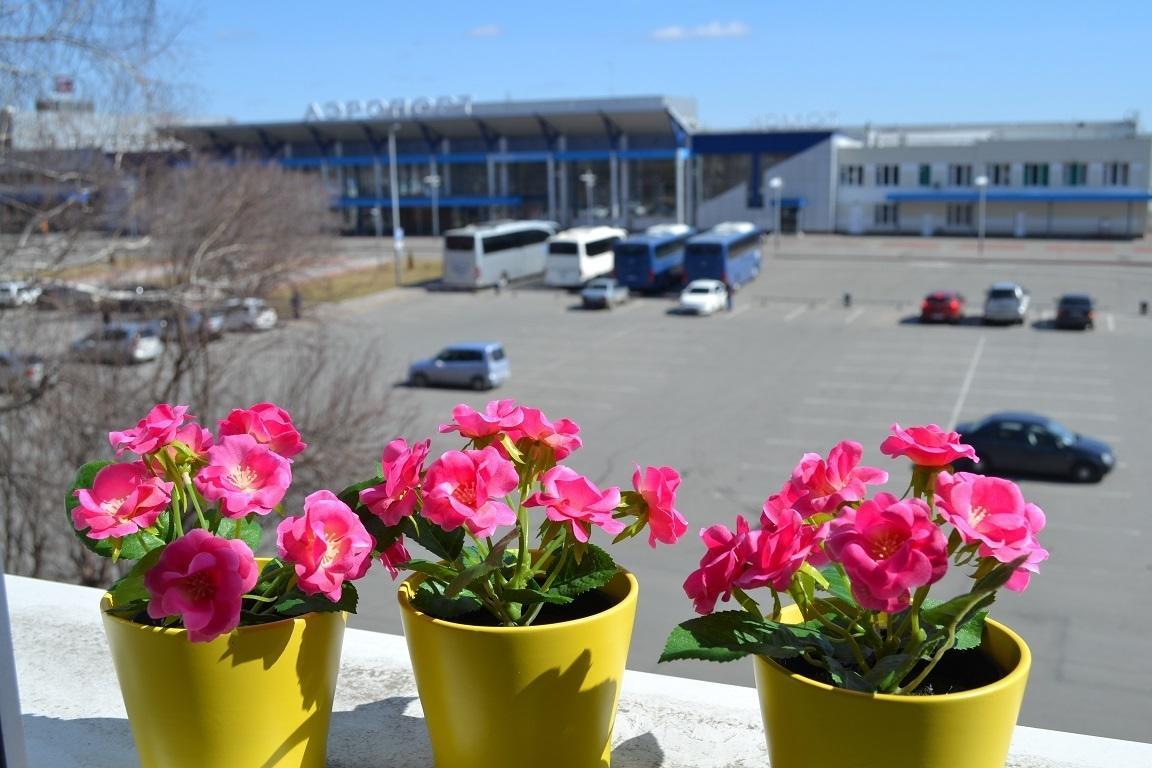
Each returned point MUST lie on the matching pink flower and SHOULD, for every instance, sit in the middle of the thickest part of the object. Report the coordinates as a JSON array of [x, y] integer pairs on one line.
[[328, 545], [151, 432], [992, 512], [395, 498], [927, 446], [244, 476], [888, 547], [561, 438], [822, 486], [201, 578], [784, 542], [657, 486], [571, 498], [197, 439], [123, 499], [499, 416], [779, 505], [394, 556], [466, 488], [725, 560], [267, 423]]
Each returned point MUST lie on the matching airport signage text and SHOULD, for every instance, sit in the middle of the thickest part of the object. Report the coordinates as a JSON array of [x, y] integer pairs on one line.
[[377, 109]]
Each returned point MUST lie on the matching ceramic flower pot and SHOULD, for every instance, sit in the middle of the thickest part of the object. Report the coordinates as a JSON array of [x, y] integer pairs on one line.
[[540, 695], [809, 723], [259, 696]]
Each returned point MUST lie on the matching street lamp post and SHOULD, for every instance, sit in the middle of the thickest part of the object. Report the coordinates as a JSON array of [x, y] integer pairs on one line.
[[776, 184], [433, 182], [589, 180], [394, 188], [981, 183]]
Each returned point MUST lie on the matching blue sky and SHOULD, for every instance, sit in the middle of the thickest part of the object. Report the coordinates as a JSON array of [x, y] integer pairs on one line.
[[747, 63]]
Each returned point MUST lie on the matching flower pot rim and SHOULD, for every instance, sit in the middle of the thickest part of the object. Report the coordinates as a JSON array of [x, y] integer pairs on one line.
[[1009, 679], [407, 588]]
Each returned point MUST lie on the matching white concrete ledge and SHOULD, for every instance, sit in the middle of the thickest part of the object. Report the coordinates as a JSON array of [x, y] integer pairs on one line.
[[73, 715]]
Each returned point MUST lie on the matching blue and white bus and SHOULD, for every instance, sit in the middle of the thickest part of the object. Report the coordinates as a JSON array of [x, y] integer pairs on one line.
[[728, 252], [654, 261]]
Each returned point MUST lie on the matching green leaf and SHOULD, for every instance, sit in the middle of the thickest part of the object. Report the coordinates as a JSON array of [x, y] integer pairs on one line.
[[428, 600], [882, 676], [437, 571], [954, 611], [838, 585], [971, 632], [998, 576], [248, 531], [444, 544], [351, 494], [593, 571], [296, 603], [528, 596], [494, 561], [729, 635], [130, 588]]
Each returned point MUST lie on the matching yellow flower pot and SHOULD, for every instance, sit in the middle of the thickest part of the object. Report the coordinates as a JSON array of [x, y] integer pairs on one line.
[[811, 724], [541, 696], [258, 697]]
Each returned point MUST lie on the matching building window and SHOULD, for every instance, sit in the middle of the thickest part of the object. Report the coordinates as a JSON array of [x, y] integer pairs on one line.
[[960, 175], [852, 175], [886, 215], [1000, 174], [1075, 174], [1035, 174], [1115, 174], [888, 175], [959, 214], [925, 175]]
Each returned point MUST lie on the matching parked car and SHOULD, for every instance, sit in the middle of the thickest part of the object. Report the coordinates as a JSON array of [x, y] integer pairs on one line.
[[603, 292], [942, 307], [21, 372], [250, 314], [120, 343], [1026, 443], [1006, 303], [17, 293], [79, 297], [145, 298], [1074, 310], [703, 297], [479, 365], [205, 326]]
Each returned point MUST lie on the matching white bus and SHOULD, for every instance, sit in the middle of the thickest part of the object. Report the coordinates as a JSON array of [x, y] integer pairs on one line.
[[492, 253], [577, 255]]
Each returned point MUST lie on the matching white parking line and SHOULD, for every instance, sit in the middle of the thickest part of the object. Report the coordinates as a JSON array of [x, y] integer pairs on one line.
[[1110, 321], [853, 316], [967, 383], [795, 314]]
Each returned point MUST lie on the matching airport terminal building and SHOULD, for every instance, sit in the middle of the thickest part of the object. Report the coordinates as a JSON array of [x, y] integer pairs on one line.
[[635, 161]]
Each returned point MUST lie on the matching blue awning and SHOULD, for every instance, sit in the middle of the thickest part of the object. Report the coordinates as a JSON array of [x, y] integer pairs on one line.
[[447, 201], [994, 196]]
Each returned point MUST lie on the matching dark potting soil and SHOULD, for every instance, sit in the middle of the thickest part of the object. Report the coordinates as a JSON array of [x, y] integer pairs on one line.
[[957, 671], [587, 604]]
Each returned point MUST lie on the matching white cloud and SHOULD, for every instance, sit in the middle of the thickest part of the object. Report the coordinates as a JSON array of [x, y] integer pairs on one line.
[[486, 30], [712, 30]]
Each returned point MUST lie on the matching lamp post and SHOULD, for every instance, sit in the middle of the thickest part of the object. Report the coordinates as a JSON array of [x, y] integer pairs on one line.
[[433, 182], [776, 184], [589, 180], [394, 188], [981, 183]]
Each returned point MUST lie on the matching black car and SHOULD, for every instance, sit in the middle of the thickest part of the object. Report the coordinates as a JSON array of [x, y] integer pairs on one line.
[[1017, 443], [1074, 310]]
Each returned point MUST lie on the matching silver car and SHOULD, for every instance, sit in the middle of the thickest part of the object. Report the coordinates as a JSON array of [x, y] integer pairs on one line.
[[120, 343], [21, 372], [480, 365], [1006, 303], [603, 292]]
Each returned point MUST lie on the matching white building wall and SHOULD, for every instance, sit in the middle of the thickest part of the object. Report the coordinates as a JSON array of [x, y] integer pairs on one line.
[[855, 209], [805, 175]]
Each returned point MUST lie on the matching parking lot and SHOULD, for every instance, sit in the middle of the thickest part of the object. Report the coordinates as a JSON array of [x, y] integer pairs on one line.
[[734, 399]]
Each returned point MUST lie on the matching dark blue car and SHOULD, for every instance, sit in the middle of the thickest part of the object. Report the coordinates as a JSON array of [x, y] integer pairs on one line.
[[1019, 443]]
